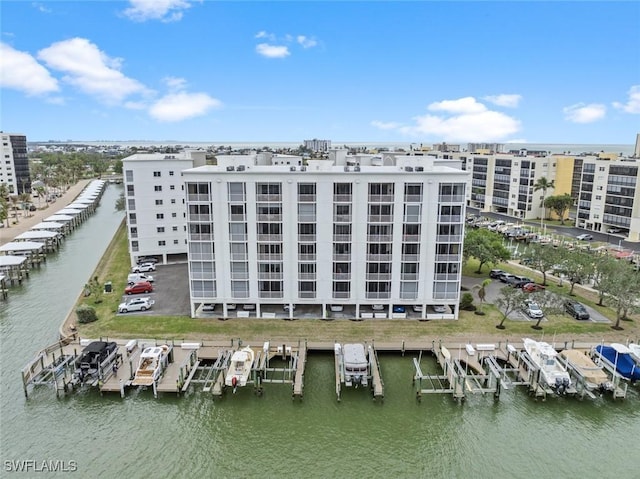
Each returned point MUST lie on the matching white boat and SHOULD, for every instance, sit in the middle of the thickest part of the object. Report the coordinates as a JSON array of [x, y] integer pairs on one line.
[[153, 361], [635, 351], [355, 365], [594, 376], [552, 373], [240, 368]]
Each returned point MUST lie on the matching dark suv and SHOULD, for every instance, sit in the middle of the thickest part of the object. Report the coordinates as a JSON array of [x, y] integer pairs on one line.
[[575, 309]]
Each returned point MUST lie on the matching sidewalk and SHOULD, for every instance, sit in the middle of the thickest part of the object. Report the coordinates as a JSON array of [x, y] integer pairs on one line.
[[35, 217]]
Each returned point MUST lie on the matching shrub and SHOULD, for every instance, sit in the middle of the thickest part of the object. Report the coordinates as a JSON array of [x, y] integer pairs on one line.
[[466, 302], [86, 314]]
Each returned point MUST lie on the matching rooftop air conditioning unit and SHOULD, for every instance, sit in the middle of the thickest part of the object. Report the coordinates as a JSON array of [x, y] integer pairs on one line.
[[240, 168], [356, 168], [230, 168], [346, 168], [419, 168], [292, 168], [408, 168], [303, 168]]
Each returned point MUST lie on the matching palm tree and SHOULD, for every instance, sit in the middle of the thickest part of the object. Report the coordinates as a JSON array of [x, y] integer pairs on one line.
[[14, 203], [4, 202], [543, 184]]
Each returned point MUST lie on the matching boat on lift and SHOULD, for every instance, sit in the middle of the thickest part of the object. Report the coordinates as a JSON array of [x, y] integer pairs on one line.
[[93, 361], [153, 361], [240, 368], [552, 373], [621, 358], [594, 376], [355, 364]]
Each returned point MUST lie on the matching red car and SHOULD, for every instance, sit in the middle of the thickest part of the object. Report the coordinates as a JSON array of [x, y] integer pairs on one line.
[[532, 287], [140, 287]]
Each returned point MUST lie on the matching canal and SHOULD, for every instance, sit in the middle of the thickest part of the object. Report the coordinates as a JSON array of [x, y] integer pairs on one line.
[[272, 436]]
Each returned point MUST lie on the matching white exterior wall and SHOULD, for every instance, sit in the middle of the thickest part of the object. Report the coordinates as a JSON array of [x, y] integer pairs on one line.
[[7, 169], [218, 178], [138, 171]]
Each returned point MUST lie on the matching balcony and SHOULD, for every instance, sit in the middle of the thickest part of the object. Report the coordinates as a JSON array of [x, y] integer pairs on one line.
[[237, 237], [307, 294], [271, 294], [378, 295], [411, 238], [202, 256], [451, 198], [237, 257], [450, 218], [307, 218], [240, 275], [342, 238], [269, 238], [342, 218], [194, 197], [380, 218], [445, 277], [341, 276], [379, 238], [408, 294], [341, 295], [241, 217], [199, 218], [379, 257], [342, 198], [413, 198], [306, 276], [236, 198], [269, 198], [449, 238], [445, 295], [202, 275], [240, 294], [270, 276], [409, 277], [380, 198], [269, 218], [306, 238], [306, 257], [448, 258], [200, 236], [410, 257], [378, 276], [268, 257], [340, 257], [306, 198]]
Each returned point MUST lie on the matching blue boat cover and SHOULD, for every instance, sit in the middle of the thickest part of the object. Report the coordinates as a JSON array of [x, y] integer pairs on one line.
[[624, 363]]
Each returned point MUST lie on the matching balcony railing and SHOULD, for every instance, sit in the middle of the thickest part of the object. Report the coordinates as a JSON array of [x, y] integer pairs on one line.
[[448, 257], [311, 218], [412, 258], [378, 276], [342, 238], [271, 294], [269, 276], [342, 257], [306, 257], [408, 294], [342, 198], [378, 295], [378, 257], [203, 275], [236, 198], [451, 198], [449, 238], [380, 218], [307, 294], [241, 217], [203, 256], [239, 294], [411, 238], [200, 236], [445, 295], [306, 276], [380, 198], [199, 218], [450, 218], [379, 238], [411, 218], [240, 275], [341, 294], [341, 276], [409, 277], [265, 217], [238, 257], [270, 238], [342, 218], [306, 198], [306, 238], [194, 197], [270, 257], [413, 198], [270, 198], [446, 276]]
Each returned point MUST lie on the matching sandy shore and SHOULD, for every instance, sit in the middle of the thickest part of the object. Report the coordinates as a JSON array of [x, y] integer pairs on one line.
[[35, 217]]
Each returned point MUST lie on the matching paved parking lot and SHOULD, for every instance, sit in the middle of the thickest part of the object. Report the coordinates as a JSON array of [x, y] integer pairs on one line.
[[170, 291]]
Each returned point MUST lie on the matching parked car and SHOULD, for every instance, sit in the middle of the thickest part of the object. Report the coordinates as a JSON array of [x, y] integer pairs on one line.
[[584, 237], [147, 259], [136, 304], [532, 287], [417, 308], [440, 308], [208, 307], [143, 268], [520, 281], [532, 309], [336, 308], [140, 287], [399, 309], [576, 309], [506, 277], [377, 307], [137, 277], [286, 307], [495, 273], [614, 230]]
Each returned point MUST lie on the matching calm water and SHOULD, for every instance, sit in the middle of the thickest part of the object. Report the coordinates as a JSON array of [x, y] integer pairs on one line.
[[273, 436]]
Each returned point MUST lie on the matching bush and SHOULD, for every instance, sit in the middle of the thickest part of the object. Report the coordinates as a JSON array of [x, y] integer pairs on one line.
[[86, 314], [466, 302]]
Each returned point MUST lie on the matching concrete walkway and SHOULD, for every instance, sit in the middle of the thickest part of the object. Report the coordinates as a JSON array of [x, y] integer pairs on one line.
[[35, 217]]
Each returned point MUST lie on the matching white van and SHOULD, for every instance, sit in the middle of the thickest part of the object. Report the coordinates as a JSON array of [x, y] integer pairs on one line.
[[137, 277]]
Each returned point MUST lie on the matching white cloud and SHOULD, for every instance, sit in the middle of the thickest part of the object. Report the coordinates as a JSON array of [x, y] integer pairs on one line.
[[175, 83], [506, 100], [466, 105], [269, 36], [306, 42], [581, 113], [272, 51], [181, 106], [163, 10], [90, 69], [633, 103], [40, 7], [464, 119], [388, 125], [20, 71]]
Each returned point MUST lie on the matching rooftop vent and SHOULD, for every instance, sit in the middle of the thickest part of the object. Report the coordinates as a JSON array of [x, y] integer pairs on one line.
[[292, 168], [346, 168], [240, 168], [408, 168], [303, 168], [230, 168], [419, 168], [356, 168]]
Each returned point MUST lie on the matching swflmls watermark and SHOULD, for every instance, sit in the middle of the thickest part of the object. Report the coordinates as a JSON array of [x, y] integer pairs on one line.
[[44, 466]]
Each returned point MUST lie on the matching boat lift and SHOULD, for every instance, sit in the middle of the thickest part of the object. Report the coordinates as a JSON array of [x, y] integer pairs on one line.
[[372, 379], [620, 383]]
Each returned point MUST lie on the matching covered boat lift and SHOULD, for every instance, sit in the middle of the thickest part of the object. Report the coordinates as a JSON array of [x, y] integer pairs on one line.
[[51, 240], [13, 268], [33, 251]]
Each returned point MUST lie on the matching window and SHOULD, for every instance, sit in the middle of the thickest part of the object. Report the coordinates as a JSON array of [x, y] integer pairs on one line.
[[157, 174], [175, 241], [171, 173], [172, 187], [162, 243], [160, 229], [158, 202], [128, 176], [157, 188], [131, 204], [174, 228], [159, 216], [173, 201]]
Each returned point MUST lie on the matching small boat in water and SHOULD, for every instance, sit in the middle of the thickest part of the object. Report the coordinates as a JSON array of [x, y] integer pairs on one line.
[[153, 361], [552, 373], [594, 376], [95, 356], [621, 358], [355, 365], [240, 368]]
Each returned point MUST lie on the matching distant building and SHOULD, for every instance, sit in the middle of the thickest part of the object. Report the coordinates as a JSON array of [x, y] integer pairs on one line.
[[636, 150], [446, 147], [317, 145], [14, 167], [485, 148]]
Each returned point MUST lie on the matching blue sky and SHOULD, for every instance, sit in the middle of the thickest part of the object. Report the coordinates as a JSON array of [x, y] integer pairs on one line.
[[351, 71]]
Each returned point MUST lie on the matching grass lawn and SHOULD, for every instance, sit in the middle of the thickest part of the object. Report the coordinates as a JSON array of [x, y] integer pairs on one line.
[[470, 327]]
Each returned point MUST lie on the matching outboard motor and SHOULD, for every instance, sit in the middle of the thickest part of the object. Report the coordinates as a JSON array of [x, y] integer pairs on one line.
[[561, 385]]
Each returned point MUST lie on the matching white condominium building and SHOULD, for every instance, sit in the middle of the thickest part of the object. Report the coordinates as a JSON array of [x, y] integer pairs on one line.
[[154, 197], [14, 163], [319, 240]]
